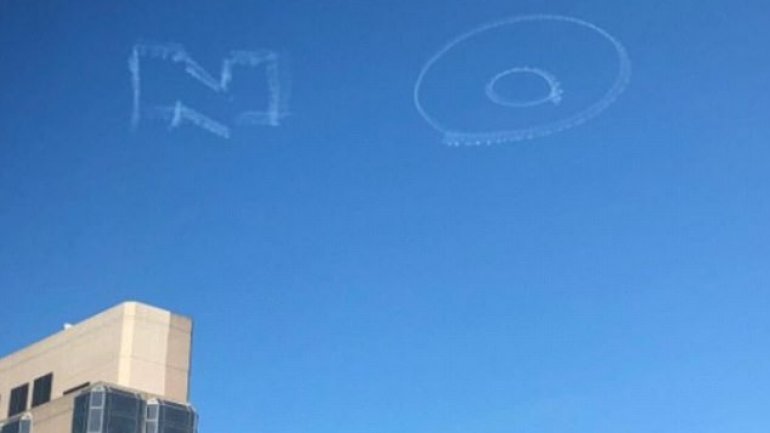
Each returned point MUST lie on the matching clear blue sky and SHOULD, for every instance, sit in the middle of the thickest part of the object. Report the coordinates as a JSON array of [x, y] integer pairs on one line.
[[349, 273]]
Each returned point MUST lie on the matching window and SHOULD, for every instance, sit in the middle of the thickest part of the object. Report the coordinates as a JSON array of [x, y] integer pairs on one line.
[[22, 424], [41, 392], [80, 414], [96, 411], [151, 417], [124, 412], [175, 418], [18, 401]]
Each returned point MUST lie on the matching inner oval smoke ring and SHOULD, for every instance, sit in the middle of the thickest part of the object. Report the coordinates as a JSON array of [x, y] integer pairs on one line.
[[554, 88], [456, 137]]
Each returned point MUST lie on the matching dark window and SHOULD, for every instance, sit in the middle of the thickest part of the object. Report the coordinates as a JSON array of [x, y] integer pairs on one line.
[[41, 392], [18, 402], [11, 427], [114, 411], [17, 425], [124, 412], [175, 418], [80, 414]]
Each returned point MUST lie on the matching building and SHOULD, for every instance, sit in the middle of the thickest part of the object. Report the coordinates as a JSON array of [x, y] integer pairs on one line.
[[125, 370]]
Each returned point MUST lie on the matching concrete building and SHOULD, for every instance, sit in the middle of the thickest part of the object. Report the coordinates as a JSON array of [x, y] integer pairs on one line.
[[125, 370]]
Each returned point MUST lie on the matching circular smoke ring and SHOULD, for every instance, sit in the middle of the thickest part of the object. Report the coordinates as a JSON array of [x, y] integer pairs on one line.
[[454, 136], [553, 96]]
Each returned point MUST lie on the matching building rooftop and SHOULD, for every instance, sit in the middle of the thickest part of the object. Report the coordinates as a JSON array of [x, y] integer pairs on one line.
[[131, 345]]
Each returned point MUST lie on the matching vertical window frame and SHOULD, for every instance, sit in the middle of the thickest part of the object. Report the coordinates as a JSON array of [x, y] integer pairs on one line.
[[95, 418]]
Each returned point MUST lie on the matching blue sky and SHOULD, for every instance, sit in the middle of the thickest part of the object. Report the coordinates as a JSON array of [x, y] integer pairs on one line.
[[348, 272]]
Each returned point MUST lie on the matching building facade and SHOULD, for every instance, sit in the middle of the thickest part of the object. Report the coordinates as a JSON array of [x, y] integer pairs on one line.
[[125, 370]]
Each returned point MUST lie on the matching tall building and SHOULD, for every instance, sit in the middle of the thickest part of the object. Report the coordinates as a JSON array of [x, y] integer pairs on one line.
[[125, 370]]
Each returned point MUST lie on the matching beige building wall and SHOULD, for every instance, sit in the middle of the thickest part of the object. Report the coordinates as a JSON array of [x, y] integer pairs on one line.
[[132, 345], [55, 416]]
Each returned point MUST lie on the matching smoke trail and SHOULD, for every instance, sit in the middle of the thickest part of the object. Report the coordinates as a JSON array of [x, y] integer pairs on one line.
[[277, 86], [177, 54], [275, 76], [180, 113], [455, 136], [133, 67]]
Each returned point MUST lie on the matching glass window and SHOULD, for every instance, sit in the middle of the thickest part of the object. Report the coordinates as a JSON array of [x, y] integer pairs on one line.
[[79, 414], [174, 429], [152, 411], [19, 425], [18, 402], [123, 404], [95, 420], [97, 398], [119, 424], [175, 418], [25, 425], [123, 412], [11, 427], [107, 410], [41, 392]]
